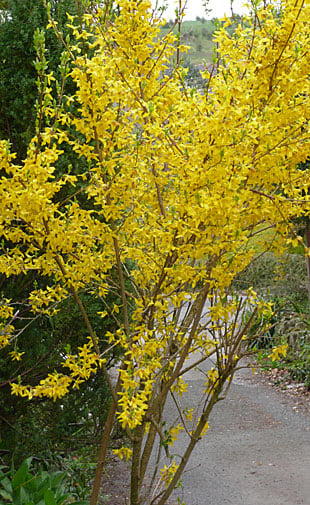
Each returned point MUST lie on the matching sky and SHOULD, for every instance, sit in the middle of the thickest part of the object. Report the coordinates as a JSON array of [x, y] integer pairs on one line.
[[195, 8]]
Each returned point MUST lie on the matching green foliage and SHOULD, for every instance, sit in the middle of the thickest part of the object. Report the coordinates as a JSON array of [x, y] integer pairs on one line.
[[24, 488], [284, 282], [266, 363], [18, 90], [288, 324], [43, 427], [299, 368], [79, 471], [284, 278], [51, 430], [263, 327]]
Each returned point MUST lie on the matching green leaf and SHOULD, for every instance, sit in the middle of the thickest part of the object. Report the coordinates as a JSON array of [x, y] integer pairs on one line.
[[32, 483], [16, 496], [49, 498], [6, 484], [4, 476], [42, 488], [57, 478], [62, 498], [22, 473], [24, 496], [7, 496]]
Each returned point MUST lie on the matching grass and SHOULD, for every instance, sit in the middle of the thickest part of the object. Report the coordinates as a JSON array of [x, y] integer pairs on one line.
[[197, 35]]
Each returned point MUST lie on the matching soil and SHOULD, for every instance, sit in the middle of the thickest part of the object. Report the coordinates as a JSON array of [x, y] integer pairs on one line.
[[115, 482]]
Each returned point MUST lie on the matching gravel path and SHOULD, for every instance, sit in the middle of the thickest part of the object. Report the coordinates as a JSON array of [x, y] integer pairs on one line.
[[256, 452]]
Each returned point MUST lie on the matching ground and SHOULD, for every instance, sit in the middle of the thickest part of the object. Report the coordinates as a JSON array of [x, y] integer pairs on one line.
[[260, 407], [116, 477], [292, 393]]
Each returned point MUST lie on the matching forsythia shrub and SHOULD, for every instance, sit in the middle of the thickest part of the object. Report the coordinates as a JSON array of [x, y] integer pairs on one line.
[[179, 183]]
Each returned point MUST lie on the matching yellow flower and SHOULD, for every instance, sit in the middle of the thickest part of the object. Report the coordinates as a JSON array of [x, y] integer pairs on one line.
[[123, 453], [278, 351], [16, 355], [168, 471]]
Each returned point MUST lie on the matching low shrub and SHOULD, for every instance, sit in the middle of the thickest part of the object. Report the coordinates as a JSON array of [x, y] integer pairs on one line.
[[299, 368], [25, 488]]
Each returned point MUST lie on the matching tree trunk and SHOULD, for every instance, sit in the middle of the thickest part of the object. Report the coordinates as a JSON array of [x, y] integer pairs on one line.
[[102, 453]]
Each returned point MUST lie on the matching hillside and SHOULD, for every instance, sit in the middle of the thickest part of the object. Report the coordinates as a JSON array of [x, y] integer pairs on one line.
[[198, 35]]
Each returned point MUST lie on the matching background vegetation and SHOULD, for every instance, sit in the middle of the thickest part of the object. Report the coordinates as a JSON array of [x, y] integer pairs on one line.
[[284, 282]]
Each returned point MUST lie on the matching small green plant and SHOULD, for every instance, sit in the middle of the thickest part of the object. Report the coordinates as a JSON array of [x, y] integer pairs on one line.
[[299, 368], [79, 470], [266, 363], [262, 333], [21, 487]]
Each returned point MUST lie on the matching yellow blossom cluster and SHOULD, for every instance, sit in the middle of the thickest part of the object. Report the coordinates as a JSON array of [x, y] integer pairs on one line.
[[278, 351], [212, 377], [54, 386], [43, 300], [83, 364], [178, 182], [133, 404], [16, 355], [180, 386], [174, 433], [168, 471], [123, 453], [6, 328]]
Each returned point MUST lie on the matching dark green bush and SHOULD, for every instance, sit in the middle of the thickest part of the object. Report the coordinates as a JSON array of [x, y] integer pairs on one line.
[[42, 427]]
